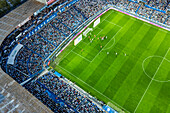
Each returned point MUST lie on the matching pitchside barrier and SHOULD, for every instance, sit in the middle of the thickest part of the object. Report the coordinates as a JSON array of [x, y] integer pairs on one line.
[[140, 17], [83, 26], [105, 9], [77, 40], [96, 22], [91, 19]]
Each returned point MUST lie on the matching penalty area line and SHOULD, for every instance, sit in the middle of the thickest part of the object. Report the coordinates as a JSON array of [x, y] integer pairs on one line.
[[81, 56], [94, 89], [106, 45], [85, 38], [113, 23]]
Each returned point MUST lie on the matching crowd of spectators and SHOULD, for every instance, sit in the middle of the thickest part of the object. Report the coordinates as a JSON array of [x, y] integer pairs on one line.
[[21, 60], [26, 64], [19, 76], [29, 59], [41, 93], [36, 48], [157, 15], [51, 89], [132, 7], [89, 7], [52, 35], [158, 11], [39, 45], [159, 4]]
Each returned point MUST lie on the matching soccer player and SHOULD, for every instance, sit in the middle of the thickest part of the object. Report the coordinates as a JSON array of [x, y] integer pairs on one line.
[[116, 54], [102, 38], [101, 46], [82, 51]]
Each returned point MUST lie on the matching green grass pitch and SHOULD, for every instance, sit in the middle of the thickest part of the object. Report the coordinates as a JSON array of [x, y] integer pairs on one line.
[[137, 79]]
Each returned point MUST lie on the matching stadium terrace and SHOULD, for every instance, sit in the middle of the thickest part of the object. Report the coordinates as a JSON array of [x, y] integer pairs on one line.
[[29, 50]]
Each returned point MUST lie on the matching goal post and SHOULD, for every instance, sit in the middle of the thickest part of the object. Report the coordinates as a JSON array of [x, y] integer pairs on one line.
[[87, 31]]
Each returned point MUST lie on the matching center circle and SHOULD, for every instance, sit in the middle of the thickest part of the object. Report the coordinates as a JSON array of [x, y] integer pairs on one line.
[[149, 74]]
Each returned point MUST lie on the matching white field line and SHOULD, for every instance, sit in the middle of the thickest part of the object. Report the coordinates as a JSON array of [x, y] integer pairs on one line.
[[106, 45], [100, 23], [82, 40], [107, 17], [81, 56], [96, 35], [87, 44], [111, 45], [87, 36], [151, 82], [150, 25], [94, 89], [145, 71], [113, 23], [62, 58], [99, 31]]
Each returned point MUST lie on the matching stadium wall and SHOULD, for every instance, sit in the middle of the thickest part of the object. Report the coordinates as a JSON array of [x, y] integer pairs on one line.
[[72, 36], [163, 26], [80, 29]]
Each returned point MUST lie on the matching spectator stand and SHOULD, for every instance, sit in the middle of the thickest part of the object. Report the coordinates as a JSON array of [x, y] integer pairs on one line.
[[54, 97], [55, 33], [62, 93]]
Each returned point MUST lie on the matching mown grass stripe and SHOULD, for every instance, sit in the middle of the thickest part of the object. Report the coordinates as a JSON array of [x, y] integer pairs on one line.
[[117, 16], [83, 66], [122, 44], [124, 89], [155, 90], [122, 21], [139, 50], [134, 76], [105, 79], [162, 99], [85, 76], [137, 83]]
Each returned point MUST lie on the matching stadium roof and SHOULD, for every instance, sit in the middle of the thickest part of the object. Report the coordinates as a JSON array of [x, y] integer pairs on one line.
[[13, 92]]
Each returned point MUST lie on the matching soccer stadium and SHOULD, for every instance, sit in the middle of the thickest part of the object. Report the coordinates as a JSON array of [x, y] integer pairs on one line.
[[85, 56]]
